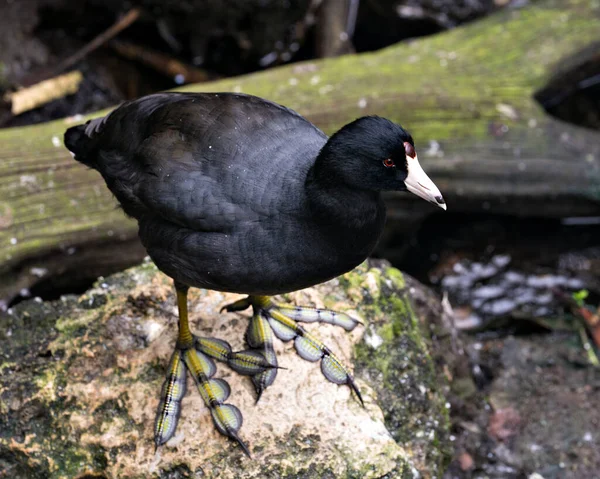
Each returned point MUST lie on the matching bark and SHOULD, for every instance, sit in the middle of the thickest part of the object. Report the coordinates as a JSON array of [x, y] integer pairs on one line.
[[332, 36], [466, 95]]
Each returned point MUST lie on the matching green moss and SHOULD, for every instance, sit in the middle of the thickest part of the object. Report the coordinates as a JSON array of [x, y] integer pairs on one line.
[[71, 462], [70, 326], [415, 412], [396, 276], [179, 471], [6, 365], [354, 278]]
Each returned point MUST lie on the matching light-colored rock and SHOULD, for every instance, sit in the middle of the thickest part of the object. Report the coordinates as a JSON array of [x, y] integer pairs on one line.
[[81, 378]]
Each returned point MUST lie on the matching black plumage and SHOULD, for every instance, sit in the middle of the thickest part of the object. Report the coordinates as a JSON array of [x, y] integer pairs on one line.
[[239, 194]]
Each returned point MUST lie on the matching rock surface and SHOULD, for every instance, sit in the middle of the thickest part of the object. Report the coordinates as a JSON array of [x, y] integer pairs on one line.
[[80, 379]]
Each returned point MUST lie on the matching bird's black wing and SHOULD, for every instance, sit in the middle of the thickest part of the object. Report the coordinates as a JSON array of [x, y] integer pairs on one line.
[[204, 161]]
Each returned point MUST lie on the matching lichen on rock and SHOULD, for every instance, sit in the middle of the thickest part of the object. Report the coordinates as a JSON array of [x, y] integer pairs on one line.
[[80, 380]]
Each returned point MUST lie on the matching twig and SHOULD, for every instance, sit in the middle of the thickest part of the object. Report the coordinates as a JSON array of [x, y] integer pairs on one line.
[[352, 16], [120, 25], [44, 92], [300, 29], [167, 36], [335, 17], [589, 349], [165, 64], [590, 319]]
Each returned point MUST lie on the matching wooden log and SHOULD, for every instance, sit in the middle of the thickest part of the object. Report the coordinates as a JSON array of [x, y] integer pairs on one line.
[[466, 95]]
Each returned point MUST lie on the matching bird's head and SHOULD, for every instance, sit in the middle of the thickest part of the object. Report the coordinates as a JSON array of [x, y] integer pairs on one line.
[[373, 153]]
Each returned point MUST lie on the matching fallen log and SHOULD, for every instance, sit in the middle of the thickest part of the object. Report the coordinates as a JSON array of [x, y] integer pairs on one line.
[[467, 95]]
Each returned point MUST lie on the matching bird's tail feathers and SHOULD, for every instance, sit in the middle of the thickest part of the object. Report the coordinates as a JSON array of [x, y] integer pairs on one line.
[[79, 139]]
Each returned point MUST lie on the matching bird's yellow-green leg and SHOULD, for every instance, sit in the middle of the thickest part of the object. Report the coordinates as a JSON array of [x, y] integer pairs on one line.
[[311, 349], [297, 313], [312, 315], [226, 417], [172, 393], [238, 305], [283, 321], [248, 362], [259, 336]]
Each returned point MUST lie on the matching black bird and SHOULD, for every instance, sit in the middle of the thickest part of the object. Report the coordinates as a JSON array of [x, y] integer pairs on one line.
[[236, 193]]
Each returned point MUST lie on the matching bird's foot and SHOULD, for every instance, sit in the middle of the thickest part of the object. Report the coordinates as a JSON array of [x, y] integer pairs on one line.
[[272, 319], [214, 392], [249, 362], [197, 355]]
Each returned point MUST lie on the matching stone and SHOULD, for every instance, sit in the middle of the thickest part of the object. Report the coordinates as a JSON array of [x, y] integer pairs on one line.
[[80, 381]]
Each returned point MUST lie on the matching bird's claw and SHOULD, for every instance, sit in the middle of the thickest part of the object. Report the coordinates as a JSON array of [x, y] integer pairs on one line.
[[248, 362], [214, 391], [238, 305], [271, 319], [259, 362]]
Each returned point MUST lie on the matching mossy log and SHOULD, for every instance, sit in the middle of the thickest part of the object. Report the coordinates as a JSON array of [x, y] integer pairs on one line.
[[466, 95], [80, 378]]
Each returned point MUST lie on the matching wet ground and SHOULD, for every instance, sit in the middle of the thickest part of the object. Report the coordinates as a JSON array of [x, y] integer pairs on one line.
[[524, 404], [532, 408], [505, 273]]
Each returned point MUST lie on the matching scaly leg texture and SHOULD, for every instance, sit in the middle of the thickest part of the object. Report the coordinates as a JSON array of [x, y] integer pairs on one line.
[[270, 319], [196, 355]]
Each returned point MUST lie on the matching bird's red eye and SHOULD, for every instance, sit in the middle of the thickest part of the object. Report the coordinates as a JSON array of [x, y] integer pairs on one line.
[[388, 163], [409, 149]]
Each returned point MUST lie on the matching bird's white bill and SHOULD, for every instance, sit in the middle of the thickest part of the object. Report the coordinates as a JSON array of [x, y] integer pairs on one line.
[[420, 184]]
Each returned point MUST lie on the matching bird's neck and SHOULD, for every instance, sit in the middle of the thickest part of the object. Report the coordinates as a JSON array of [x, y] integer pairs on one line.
[[332, 201]]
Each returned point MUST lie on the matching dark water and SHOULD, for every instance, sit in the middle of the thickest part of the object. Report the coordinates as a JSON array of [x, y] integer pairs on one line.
[[497, 268]]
